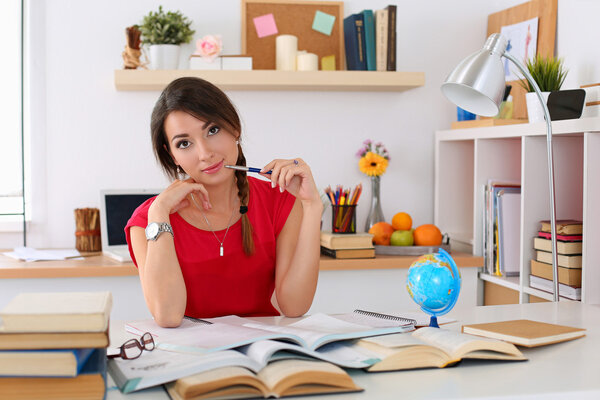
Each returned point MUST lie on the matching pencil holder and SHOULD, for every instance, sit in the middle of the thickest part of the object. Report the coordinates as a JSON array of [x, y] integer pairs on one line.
[[343, 219], [87, 229]]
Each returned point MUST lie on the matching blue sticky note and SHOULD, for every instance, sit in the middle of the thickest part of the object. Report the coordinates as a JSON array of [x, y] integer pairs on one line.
[[323, 23]]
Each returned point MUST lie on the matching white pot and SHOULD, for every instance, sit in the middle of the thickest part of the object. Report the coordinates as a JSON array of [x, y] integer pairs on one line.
[[164, 56], [535, 112]]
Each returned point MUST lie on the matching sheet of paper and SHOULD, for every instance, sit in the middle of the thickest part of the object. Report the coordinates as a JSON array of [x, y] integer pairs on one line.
[[323, 22], [31, 254], [265, 25]]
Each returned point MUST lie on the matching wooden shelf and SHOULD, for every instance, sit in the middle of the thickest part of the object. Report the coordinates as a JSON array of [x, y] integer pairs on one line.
[[391, 262], [276, 80]]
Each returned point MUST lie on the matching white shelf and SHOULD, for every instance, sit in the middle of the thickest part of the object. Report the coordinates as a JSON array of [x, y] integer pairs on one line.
[[467, 158], [542, 294]]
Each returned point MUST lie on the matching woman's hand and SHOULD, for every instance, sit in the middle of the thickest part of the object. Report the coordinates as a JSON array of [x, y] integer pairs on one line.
[[175, 197], [294, 176]]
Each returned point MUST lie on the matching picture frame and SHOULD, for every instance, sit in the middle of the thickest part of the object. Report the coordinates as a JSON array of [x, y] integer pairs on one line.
[[293, 18]]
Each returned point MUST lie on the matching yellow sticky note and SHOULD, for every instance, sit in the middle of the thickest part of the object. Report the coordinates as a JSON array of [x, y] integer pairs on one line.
[[328, 63]]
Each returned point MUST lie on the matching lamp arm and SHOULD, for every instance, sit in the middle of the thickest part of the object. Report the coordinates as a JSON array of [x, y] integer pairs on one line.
[[537, 90]]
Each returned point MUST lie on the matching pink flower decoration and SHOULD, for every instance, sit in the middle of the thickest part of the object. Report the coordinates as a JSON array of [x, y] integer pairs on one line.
[[209, 47]]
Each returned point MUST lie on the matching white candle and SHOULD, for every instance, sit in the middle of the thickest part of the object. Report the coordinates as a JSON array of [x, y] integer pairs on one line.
[[308, 62], [286, 47]]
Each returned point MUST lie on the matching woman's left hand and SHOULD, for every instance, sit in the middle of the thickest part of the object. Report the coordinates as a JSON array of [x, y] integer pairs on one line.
[[294, 176]]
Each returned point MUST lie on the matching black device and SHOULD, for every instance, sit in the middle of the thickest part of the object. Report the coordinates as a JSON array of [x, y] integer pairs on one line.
[[566, 104]]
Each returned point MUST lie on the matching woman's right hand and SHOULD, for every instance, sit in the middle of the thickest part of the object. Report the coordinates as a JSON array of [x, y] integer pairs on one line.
[[175, 197]]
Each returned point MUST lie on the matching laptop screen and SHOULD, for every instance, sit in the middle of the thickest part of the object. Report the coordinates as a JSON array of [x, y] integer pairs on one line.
[[118, 209]]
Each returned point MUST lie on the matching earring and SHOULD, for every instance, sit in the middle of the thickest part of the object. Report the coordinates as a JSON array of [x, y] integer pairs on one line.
[[237, 142], [180, 174]]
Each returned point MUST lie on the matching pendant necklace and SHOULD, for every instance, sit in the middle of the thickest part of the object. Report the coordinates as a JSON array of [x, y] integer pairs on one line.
[[210, 227]]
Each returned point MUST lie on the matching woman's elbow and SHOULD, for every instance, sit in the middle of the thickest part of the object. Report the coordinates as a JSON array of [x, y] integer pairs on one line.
[[169, 320]]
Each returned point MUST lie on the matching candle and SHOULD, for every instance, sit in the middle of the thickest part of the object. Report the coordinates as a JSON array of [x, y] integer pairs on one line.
[[286, 47], [308, 62]]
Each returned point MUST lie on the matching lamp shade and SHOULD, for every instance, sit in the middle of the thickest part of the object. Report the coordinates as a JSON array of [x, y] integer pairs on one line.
[[477, 84]]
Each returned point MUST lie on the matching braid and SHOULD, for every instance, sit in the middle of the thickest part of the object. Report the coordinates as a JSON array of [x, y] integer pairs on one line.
[[244, 195]]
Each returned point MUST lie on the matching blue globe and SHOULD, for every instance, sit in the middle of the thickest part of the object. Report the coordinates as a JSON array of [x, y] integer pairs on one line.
[[433, 282]]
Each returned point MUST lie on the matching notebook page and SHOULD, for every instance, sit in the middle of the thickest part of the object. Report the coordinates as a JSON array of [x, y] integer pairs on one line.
[[449, 341]]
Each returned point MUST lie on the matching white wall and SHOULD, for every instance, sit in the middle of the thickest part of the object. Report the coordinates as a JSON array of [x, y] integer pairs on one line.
[[86, 136]]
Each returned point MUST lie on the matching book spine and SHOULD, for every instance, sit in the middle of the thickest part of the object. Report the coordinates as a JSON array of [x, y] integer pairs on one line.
[[369, 29], [351, 43], [328, 252], [381, 21], [391, 49]]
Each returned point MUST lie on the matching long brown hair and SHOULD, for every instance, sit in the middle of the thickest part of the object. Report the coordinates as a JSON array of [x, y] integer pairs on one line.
[[205, 101]]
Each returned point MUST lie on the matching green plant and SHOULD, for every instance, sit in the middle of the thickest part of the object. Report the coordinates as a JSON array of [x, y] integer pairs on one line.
[[548, 73], [166, 28]]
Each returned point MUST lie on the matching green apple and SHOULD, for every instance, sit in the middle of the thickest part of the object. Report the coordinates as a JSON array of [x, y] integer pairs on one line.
[[402, 238]]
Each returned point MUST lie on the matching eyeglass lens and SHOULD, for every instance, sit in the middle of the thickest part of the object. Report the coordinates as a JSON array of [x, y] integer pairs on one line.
[[133, 348]]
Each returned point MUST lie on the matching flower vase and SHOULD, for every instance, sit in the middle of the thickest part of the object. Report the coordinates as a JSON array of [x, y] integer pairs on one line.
[[375, 213]]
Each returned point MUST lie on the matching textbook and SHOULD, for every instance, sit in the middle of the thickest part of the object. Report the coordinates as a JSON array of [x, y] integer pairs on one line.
[[279, 379], [348, 253], [341, 241], [160, 366], [567, 261], [53, 340], [228, 332], [564, 227], [56, 362], [567, 276], [525, 332], [561, 247], [564, 238], [89, 384], [57, 312], [435, 347]]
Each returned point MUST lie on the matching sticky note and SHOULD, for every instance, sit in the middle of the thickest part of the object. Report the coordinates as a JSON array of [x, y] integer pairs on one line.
[[323, 23], [265, 25], [328, 63]]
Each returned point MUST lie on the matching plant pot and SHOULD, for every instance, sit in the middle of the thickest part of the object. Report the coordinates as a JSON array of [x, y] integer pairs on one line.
[[535, 111], [164, 56]]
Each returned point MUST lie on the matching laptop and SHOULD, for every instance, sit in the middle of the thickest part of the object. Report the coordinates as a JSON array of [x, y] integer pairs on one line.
[[116, 207]]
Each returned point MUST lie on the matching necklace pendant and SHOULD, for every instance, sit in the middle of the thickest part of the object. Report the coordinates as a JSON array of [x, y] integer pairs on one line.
[[221, 251]]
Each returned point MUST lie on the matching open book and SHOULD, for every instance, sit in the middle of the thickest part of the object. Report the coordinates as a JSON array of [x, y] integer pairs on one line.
[[230, 332], [279, 379], [434, 347]]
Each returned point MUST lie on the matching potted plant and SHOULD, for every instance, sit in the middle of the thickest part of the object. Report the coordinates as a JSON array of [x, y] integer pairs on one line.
[[164, 32], [549, 74]]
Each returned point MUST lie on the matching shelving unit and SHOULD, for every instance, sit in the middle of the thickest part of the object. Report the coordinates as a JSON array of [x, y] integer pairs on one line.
[[467, 158], [276, 80]]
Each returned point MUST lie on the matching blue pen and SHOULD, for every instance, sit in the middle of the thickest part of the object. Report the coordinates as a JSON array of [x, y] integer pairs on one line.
[[247, 169]]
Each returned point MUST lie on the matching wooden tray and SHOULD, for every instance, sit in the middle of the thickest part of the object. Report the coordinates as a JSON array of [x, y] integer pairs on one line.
[[409, 250]]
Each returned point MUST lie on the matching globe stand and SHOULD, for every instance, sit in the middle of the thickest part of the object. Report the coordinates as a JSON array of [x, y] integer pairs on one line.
[[433, 322]]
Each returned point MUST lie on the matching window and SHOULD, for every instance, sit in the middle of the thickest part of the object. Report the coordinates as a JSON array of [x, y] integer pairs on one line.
[[11, 113]]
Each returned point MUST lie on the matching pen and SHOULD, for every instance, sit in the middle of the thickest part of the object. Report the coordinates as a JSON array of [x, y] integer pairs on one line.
[[247, 169]]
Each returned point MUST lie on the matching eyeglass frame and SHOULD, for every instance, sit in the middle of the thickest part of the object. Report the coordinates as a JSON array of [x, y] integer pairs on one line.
[[141, 344]]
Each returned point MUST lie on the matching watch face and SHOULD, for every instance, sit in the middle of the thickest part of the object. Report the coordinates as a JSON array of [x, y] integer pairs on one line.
[[152, 230]]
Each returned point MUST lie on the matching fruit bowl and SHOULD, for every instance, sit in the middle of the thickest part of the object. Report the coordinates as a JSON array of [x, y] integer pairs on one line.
[[409, 250]]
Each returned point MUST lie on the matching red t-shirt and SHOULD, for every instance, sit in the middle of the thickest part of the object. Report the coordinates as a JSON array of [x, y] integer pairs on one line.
[[234, 284]]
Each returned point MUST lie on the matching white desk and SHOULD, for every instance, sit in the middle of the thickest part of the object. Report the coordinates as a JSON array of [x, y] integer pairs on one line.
[[561, 371]]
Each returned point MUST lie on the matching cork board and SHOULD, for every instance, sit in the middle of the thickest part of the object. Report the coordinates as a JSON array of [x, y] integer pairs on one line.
[[293, 18], [546, 11]]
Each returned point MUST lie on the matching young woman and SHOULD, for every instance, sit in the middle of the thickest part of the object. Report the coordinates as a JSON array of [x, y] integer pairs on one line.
[[216, 242]]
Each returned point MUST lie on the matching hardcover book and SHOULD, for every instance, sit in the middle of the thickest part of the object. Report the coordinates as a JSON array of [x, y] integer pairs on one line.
[[391, 47], [564, 227], [55, 362], [567, 261], [348, 253], [53, 340], [546, 285], [340, 241], [370, 39], [567, 248], [381, 39], [567, 276], [354, 39]]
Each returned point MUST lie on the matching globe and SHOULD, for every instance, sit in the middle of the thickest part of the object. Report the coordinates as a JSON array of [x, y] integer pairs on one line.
[[433, 282]]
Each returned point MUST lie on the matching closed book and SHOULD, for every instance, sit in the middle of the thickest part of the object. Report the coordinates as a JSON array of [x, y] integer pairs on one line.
[[53, 340], [573, 261], [567, 276], [57, 312], [564, 227], [89, 384], [567, 248], [349, 253], [570, 292], [370, 39], [391, 48], [564, 238], [340, 241], [381, 36], [236, 63], [55, 362], [524, 332], [354, 40]]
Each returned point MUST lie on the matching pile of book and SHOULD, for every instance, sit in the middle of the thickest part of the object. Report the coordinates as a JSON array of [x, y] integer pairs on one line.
[[569, 237], [347, 245], [53, 346], [370, 40]]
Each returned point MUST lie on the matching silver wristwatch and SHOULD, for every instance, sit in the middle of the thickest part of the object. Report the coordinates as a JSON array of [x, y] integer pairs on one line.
[[154, 229]]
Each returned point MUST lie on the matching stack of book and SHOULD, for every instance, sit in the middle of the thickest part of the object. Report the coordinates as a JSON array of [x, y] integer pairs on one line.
[[370, 40], [347, 245], [53, 346], [568, 245]]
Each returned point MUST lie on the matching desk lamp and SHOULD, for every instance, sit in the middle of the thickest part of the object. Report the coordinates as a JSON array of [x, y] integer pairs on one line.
[[477, 85]]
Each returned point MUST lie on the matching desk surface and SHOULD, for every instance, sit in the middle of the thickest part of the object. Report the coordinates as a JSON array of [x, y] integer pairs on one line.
[[99, 265], [560, 371]]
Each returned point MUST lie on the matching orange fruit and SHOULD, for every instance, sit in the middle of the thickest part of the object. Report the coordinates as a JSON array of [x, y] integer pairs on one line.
[[382, 232], [402, 222], [427, 235]]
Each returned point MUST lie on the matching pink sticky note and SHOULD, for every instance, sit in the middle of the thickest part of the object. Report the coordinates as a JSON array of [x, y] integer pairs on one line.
[[265, 25]]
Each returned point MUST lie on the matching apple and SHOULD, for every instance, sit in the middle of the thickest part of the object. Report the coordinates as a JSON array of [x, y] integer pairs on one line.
[[402, 238]]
